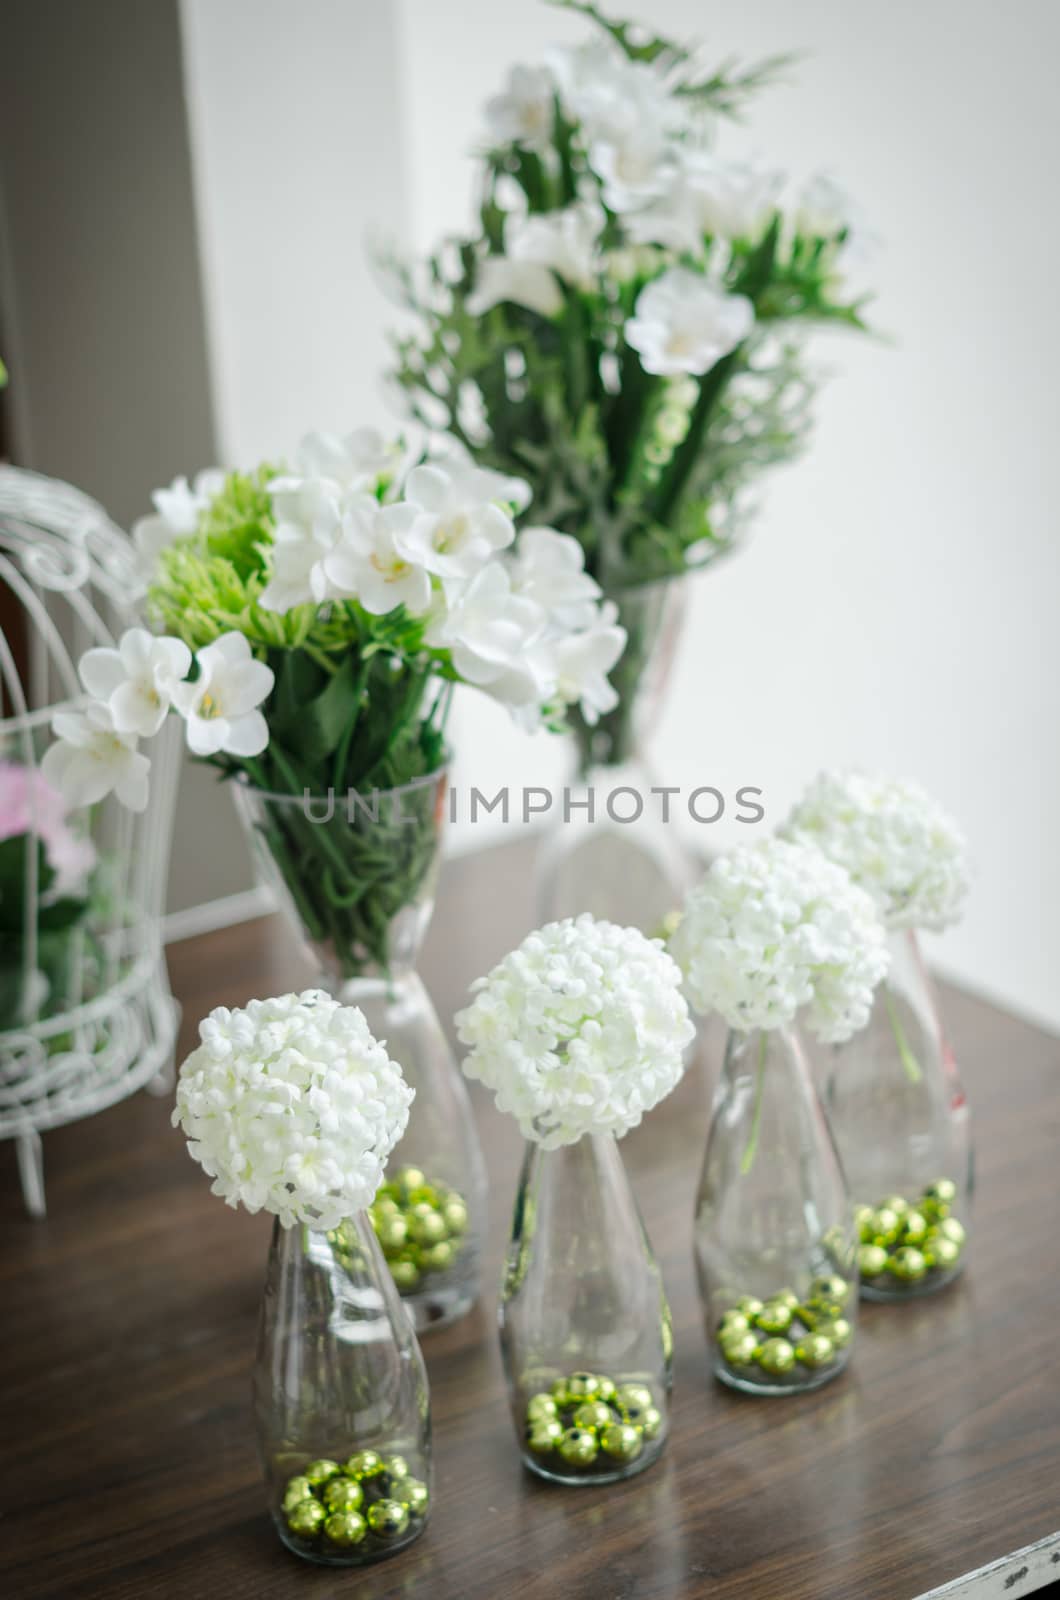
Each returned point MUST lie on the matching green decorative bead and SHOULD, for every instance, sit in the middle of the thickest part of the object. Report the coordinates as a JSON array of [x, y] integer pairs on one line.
[[406, 1275], [776, 1356], [455, 1216], [830, 1289], [343, 1494], [749, 1305], [414, 1494], [545, 1436], [863, 1216], [396, 1468], [345, 1528], [896, 1203], [733, 1322], [593, 1414], [937, 1200], [578, 1447], [306, 1518], [739, 1349], [389, 1193], [816, 1350], [621, 1441], [885, 1227], [409, 1178], [915, 1229], [582, 1385], [787, 1297], [385, 1205], [907, 1264], [774, 1317], [651, 1422], [941, 1253], [634, 1394], [392, 1233], [425, 1195], [319, 1472], [950, 1228], [388, 1518], [541, 1408], [560, 1393], [872, 1260], [839, 1331], [299, 1488], [425, 1225], [605, 1389], [365, 1464]]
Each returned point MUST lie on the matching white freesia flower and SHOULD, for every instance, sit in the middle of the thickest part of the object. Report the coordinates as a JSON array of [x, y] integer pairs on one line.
[[375, 562], [456, 525], [220, 707], [635, 165], [893, 839], [501, 279], [356, 461], [487, 629], [538, 250], [681, 323], [290, 1105], [92, 759], [708, 197], [549, 568], [176, 514], [577, 664], [775, 929], [825, 210], [308, 515], [522, 112], [580, 1030], [136, 680]]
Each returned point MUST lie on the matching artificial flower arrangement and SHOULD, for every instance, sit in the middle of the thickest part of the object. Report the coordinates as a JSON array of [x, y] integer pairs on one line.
[[579, 1032], [773, 934], [625, 328], [899, 1110], [310, 624], [292, 1106]]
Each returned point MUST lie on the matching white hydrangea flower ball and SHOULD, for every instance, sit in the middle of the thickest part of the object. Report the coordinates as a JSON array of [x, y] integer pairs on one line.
[[580, 1030], [893, 839], [775, 929], [292, 1106]]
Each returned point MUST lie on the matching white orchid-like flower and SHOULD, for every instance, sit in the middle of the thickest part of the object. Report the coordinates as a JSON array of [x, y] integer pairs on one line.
[[722, 200], [354, 462], [375, 562], [457, 525], [220, 707], [577, 664], [523, 112], [538, 250], [136, 681], [549, 568], [176, 514], [91, 759], [825, 210], [635, 165], [487, 629], [681, 323]]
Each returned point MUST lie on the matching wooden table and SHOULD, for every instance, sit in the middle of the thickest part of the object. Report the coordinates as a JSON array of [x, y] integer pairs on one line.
[[129, 1466]]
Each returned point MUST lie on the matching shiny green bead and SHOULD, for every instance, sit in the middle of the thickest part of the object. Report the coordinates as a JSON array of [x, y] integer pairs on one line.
[[816, 1350], [739, 1349], [414, 1494], [733, 1322], [438, 1257], [950, 1228], [896, 1203], [582, 1385], [345, 1528], [749, 1305], [545, 1436], [839, 1331], [937, 1200], [915, 1228], [593, 1414], [907, 1264], [941, 1253], [605, 1389], [425, 1225], [786, 1297], [425, 1195], [634, 1394], [455, 1216], [299, 1488], [830, 1289], [392, 1233], [885, 1226], [319, 1472], [396, 1468], [388, 1518], [365, 1464], [343, 1494], [541, 1408], [863, 1216], [872, 1260], [651, 1422], [621, 1441], [385, 1205], [578, 1447], [774, 1317], [776, 1356], [408, 1178], [559, 1392], [306, 1518], [406, 1275]]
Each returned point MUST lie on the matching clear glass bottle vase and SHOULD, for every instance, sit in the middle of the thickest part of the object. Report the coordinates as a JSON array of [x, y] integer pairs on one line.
[[902, 1122], [356, 875], [585, 1325], [616, 849], [340, 1399], [774, 1236]]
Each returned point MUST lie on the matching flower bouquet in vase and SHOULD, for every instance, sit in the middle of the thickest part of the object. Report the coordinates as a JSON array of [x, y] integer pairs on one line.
[[291, 1106], [625, 328], [895, 1097], [775, 932], [578, 1032], [312, 622]]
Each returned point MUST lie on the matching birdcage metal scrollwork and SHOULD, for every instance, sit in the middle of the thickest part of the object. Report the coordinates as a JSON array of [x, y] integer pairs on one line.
[[86, 1015]]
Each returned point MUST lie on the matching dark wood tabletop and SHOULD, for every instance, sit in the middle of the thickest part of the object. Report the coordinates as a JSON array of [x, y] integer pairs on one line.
[[129, 1467]]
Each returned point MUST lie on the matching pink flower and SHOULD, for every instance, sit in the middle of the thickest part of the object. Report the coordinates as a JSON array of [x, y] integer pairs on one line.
[[29, 804]]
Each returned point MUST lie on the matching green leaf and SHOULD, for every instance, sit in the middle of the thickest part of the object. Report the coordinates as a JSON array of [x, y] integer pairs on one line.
[[311, 725], [14, 862]]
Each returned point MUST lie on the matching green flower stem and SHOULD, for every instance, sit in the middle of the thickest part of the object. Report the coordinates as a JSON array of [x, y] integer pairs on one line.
[[905, 1055], [747, 1159]]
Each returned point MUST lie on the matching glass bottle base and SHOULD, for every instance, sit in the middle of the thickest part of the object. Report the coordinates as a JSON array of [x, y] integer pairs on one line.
[[587, 1477], [891, 1292], [780, 1385], [362, 1555]]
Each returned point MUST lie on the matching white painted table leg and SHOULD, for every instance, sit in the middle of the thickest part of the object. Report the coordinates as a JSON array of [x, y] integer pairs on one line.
[[30, 1154]]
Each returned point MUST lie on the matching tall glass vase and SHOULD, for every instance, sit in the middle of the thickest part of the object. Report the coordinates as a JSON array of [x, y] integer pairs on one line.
[[340, 1399], [902, 1122], [585, 1324], [774, 1233], [357, 876], [616, 849]]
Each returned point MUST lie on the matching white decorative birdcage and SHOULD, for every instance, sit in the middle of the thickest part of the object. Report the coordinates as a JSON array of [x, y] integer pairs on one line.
[[86, 1016]]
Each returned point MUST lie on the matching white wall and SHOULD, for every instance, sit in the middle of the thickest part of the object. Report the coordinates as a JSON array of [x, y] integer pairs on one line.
[[896, 606]]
